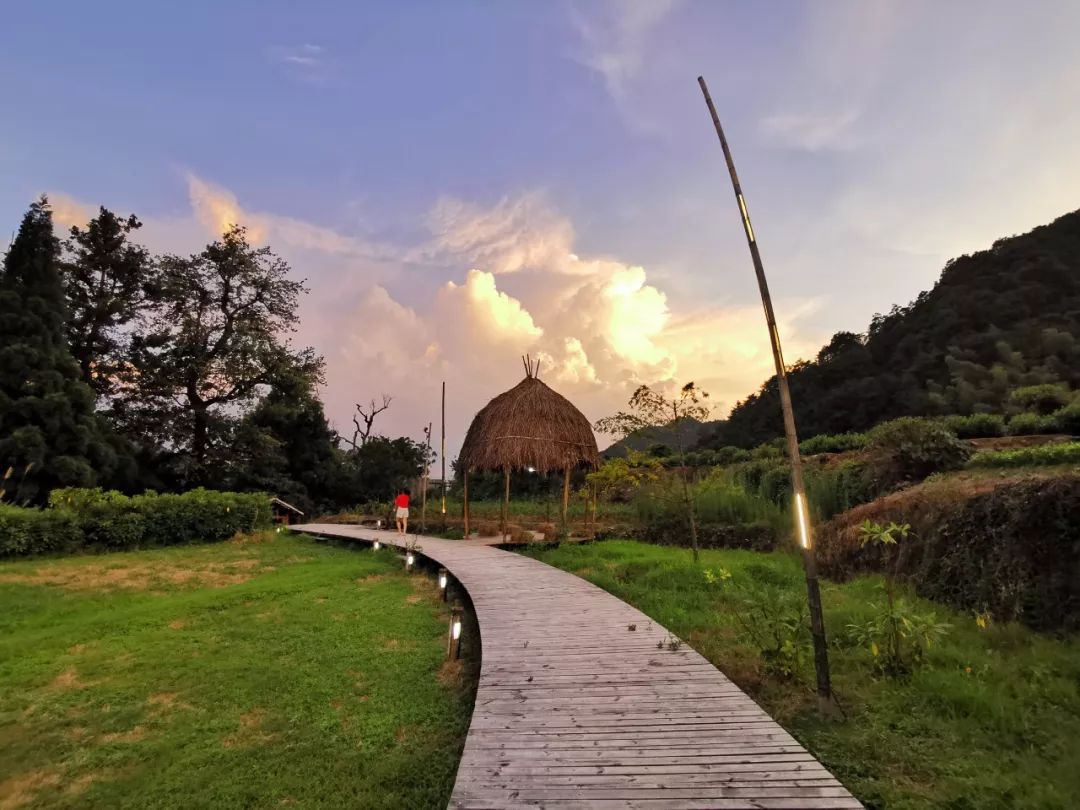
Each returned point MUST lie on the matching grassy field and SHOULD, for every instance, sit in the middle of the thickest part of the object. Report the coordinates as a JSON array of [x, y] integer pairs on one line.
[[269, 671], [992, 720]]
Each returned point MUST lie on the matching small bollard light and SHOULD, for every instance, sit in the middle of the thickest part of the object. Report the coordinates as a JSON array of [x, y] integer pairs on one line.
[[377, 545], [453, 642], [444, 580], [409, 560]]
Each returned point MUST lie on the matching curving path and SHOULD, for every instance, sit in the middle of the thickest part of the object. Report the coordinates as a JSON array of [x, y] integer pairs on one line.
[[576, 710]]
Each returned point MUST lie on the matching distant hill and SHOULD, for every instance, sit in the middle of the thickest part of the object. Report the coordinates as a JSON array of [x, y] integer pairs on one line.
[[663, 437], [996, 320]]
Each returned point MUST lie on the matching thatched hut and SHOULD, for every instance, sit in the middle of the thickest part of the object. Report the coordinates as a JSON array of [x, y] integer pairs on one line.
[[530, 427]]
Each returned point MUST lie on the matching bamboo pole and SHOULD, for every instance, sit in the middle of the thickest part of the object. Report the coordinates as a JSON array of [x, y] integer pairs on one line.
[[442, 456], [802, 520], [424, 481]]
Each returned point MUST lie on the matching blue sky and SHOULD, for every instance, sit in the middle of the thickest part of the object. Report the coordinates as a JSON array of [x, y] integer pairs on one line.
[[463, 182]]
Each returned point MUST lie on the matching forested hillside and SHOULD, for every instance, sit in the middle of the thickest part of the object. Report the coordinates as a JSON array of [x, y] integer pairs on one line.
[[997, 320]]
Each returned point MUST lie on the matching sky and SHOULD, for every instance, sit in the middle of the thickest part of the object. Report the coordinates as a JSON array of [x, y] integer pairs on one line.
[[464, 183]]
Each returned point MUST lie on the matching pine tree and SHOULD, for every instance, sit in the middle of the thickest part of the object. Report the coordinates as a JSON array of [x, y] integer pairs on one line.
[[49, 434]]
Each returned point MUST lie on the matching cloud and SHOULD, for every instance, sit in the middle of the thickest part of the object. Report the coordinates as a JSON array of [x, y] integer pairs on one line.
[[307, 61], [810, 132], [490, 285], [68, 212], [613, 38]]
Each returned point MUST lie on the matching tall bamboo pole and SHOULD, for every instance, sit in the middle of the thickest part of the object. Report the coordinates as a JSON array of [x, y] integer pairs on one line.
[[442, 455], [802, 519]]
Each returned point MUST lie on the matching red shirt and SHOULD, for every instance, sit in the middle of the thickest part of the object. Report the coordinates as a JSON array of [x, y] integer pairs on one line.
[[402, 501]]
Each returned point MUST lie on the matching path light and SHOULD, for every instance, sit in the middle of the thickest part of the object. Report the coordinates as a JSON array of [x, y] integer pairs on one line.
[[377, 545], [444, 580], [453, 642], [800, 510], [409, 560]]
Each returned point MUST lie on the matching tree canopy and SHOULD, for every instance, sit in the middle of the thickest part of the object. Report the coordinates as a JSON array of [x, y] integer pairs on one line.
[[49, 433]]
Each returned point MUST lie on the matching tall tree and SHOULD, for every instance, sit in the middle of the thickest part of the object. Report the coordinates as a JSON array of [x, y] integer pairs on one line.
[[49, 434], [285, 445], [106, 277], [218, 327]]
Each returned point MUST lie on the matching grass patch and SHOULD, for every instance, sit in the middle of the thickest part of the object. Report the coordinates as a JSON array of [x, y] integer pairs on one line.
[[991, 721], [272, 671]]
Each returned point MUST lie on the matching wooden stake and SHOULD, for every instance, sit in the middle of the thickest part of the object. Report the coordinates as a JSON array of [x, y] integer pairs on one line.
[[565, 500], [506, 501], [802, 519], [465, 504]]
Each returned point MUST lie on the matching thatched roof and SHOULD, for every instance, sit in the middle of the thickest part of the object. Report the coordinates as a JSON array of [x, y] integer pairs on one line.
[[529, 426]]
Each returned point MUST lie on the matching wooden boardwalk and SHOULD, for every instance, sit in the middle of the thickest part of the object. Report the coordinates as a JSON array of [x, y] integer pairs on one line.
[[582, 703]]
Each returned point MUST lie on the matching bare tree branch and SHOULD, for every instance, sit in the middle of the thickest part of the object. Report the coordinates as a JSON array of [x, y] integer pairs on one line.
[[362, 433]]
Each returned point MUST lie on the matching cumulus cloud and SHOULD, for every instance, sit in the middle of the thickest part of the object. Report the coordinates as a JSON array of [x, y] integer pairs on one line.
[[490, 285]]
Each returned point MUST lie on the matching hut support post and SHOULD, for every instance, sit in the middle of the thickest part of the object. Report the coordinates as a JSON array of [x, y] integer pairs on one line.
[[506, 501], [465, 504], [566, 500]]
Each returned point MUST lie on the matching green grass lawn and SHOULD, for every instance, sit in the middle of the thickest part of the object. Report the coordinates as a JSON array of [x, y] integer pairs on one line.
[[991, 721], [265, 672]]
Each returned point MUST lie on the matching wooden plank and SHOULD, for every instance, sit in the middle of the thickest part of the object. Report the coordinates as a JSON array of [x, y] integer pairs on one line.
[[575, 710]]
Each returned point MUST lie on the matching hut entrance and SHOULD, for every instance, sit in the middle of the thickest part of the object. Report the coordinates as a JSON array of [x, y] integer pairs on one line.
[[530, 427]]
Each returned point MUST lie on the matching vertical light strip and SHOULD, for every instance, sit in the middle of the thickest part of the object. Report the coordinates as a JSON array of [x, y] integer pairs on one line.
[[800, 509], [746, 219]]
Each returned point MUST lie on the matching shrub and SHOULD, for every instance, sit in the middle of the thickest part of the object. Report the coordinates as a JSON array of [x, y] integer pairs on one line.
[[1043, 399], [1030, 424], [25, 530], [1041, 456], [833, 443], [1067, 419], [911, 448], [97, 519], [976, 426], [1007, 548]]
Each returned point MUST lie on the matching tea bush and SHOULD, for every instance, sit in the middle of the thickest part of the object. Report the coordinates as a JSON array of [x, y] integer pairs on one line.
[[1067, 420], [79, 519], [1041, 456], [833, 443], [1030, 424], [1007, 548], [911, 448], [977, 425]]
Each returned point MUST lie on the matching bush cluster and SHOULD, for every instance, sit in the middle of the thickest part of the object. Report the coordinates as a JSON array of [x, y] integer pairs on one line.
[[672, 530], [1009, 549], [977, 425], [1041, 456], [94, 519], [911, 448], [833, 443]]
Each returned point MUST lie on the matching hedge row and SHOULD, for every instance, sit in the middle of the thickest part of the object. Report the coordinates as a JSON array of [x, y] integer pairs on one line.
[[91, 519], [1041, 456], [673, 531], [1011, 548]]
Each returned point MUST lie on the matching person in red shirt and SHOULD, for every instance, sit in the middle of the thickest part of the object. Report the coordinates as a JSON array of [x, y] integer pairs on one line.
[[402, 504]]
